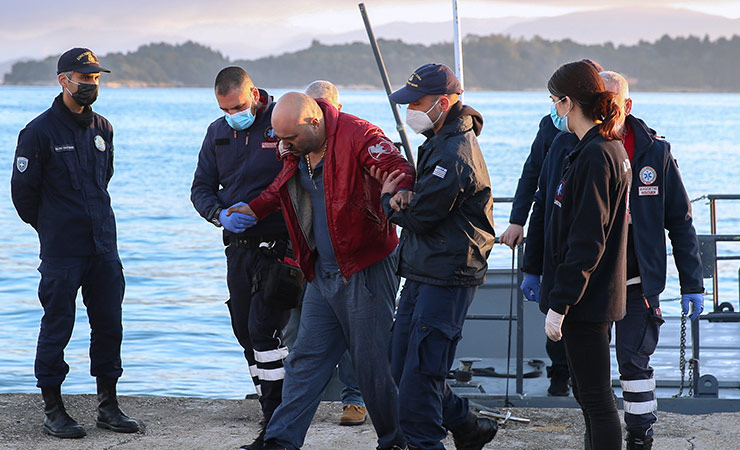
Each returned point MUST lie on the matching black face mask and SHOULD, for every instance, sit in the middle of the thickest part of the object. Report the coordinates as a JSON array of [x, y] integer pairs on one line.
[[86, 93]]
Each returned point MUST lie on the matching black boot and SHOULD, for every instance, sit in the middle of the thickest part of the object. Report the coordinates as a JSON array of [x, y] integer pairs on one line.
[[559, 379], [474, 433], [110, 415], [259, 442], [635, 442], [56, 421]]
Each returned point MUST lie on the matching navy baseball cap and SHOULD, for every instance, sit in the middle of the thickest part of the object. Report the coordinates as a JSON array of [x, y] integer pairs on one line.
[[431, 79], [81, 60]]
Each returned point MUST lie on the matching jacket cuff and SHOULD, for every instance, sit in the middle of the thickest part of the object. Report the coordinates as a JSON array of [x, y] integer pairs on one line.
[[259, 208], [559, 308], [693, 290]]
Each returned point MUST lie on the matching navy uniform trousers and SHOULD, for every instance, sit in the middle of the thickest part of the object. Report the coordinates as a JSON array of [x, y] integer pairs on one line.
[[427, 329], [257, 325], [102, 283], [636, 338]]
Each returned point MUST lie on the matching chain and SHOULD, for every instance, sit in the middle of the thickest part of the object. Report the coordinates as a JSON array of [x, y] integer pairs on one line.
[[682, 362]]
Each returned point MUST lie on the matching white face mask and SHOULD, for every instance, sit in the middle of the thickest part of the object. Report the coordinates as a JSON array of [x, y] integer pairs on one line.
[[419, 121]]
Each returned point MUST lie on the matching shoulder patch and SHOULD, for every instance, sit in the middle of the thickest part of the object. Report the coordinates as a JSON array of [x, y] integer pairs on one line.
[[21, 163], [440, 172]]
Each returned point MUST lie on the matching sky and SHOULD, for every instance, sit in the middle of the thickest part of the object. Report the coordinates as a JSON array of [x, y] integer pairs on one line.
[[32, 29]]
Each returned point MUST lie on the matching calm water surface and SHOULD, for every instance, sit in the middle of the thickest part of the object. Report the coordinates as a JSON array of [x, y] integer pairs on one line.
[[177, 334]]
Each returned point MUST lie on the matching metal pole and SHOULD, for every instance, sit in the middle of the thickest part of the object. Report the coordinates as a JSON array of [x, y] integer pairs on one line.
[[715, 269], [458, 47], [695, 356], [386, 83], [519, 325]]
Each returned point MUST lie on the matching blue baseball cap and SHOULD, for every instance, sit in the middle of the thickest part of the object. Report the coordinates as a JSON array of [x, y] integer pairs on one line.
[[81, 60], [434, 79]]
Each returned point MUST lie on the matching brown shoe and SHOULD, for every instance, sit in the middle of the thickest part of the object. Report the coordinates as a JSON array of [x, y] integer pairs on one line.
[[353, 415]]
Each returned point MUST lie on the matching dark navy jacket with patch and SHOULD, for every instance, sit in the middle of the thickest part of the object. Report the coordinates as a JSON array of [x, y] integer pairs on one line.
[[448, 226], [552, 173], [658, 202], [527, 185], [60, 183], [236, 166]]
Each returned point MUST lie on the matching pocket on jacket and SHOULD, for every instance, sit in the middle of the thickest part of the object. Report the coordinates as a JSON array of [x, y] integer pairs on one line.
[[68, 155]]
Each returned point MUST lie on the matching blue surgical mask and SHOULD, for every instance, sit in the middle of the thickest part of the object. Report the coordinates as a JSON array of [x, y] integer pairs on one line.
[[560, 122], [241, 120]]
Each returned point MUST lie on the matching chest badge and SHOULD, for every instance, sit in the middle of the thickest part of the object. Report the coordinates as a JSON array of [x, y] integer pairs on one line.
[[269, 135], [99, 143], [559, 193], [648, 175]]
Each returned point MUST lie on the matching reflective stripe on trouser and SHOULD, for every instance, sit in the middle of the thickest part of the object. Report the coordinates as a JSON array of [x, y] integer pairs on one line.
[[636, 338], [257, 326]]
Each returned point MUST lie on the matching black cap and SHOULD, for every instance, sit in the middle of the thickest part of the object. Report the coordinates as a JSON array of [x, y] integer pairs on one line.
[[431, 79], [81, 60]]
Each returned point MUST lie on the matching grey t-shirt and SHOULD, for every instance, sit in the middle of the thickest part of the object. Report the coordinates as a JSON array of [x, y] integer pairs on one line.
[[315, 189]]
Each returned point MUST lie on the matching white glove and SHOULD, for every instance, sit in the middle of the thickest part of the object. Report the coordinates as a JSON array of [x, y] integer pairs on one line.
[[553, 322]]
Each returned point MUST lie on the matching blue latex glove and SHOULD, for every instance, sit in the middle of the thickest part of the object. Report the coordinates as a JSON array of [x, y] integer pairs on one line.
[[236, 222], [531, 287], [695, 299]]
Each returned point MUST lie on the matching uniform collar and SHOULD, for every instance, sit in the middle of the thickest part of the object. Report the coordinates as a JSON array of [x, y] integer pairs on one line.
[[644, 135], [67, 117]]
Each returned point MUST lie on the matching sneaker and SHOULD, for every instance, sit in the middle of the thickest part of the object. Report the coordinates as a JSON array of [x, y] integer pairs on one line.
[[271, 445], [353, 415]]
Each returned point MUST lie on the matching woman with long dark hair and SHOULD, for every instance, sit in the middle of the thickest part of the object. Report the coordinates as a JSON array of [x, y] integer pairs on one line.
[[584, 271]]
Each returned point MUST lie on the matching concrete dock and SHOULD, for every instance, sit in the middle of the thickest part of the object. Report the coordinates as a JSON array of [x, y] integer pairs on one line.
[[195, 423]]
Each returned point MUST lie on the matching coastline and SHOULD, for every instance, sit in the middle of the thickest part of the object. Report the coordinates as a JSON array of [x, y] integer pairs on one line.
[[196, 423]]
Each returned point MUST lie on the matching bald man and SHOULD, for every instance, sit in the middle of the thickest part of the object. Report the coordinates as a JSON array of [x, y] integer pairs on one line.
[[345, 247], [354, 411]]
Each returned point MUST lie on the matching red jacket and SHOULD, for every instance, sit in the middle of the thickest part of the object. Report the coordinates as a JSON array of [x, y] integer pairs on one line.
[[359, 231]]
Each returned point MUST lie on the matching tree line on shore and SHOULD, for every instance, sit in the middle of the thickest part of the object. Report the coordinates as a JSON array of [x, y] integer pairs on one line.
[[493, 62]]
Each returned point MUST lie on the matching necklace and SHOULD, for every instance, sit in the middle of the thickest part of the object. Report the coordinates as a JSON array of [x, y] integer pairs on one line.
[[310, 169]]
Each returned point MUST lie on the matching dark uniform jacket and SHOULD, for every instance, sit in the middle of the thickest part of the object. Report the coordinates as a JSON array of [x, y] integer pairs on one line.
[[527, 185], [552, 170], [585, 259], [236, 166], [658, 201], [448, 227], [60, 183]]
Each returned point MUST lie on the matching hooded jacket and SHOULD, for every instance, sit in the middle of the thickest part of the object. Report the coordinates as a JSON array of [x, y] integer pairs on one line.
[[359, 231], [448, 226]]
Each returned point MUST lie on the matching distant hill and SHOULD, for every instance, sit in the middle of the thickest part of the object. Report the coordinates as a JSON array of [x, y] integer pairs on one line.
[[625, 26], [493, 62], [620, 26]]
